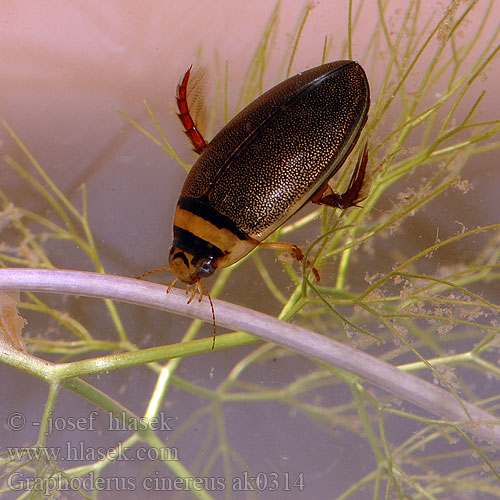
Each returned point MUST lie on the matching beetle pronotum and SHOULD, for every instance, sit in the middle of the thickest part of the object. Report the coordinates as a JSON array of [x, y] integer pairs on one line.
[[271, 159]]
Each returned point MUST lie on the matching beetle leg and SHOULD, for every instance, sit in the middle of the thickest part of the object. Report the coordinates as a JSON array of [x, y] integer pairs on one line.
[[184, 115], [351, 197], [193, 293], [199, 289], [292, 250], [171, 285]]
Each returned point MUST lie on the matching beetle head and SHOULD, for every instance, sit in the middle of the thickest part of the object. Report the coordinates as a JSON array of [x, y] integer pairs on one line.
[[190, 268]]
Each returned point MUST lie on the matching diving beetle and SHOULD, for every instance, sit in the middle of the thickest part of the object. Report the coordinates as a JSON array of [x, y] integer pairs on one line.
[[272, 158]]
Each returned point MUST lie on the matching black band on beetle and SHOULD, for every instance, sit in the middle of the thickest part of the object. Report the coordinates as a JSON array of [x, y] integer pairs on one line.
[[205, 211], [198, 247]]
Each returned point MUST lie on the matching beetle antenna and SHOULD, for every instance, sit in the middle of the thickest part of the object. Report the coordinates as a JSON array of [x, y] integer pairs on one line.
[[205, 289], [155, 271]]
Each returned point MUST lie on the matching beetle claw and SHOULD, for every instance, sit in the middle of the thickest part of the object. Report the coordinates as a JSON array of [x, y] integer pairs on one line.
[[351, 197]]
